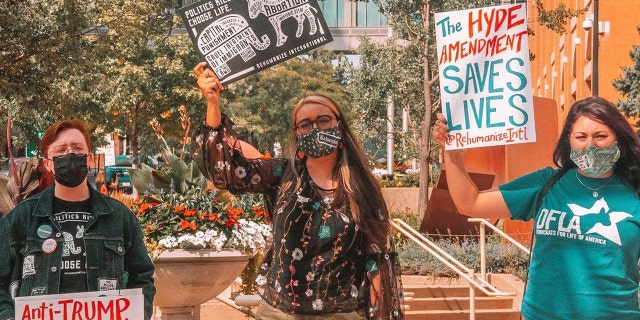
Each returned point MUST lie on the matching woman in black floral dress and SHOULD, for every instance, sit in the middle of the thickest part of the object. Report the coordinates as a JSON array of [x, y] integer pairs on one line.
[[331, 255]]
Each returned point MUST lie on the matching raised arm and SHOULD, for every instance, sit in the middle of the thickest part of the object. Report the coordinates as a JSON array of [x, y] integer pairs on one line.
[[464, 192], [210, 87]]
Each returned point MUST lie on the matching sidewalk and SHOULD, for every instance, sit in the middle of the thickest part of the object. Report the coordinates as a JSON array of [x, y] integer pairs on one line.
[[216, 309]]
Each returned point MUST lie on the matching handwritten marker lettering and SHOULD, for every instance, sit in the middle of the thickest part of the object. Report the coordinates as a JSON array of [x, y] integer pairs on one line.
[[483, 59]]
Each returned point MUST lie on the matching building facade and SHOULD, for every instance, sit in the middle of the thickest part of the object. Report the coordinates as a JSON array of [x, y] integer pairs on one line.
[[568, 67], [347, 21]]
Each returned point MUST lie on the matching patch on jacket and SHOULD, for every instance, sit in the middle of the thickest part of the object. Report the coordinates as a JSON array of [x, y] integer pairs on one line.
[[38, 291], [28, 266], [107, 284], [13, 289]]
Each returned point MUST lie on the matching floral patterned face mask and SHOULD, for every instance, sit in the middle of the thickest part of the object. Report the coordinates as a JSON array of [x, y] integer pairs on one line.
[[319, 143], [594, 161]]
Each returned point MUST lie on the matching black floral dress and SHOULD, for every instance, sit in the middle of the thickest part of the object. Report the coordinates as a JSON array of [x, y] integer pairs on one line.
[[316, 264]]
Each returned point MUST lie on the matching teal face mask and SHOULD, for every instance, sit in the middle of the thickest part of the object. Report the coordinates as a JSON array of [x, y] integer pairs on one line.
[[594, 161]]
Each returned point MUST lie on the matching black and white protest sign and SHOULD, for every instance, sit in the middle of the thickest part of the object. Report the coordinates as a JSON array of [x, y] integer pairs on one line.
[[241, 37]]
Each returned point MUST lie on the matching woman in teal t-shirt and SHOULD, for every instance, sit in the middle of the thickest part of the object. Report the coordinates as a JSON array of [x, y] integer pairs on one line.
[[584, 264]]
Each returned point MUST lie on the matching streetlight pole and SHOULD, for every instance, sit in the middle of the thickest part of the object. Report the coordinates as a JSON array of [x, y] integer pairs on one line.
[[594, 61]]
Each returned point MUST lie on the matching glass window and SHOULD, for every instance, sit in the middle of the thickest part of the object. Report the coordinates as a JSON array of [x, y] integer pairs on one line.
[[333, 12], [368, 15], [182, 3]]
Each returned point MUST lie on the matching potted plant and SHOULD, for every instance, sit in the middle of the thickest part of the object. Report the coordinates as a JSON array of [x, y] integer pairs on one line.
[[200, 238], [178, 209]]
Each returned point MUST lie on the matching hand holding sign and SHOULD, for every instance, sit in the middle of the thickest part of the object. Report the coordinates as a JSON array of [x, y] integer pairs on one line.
[[208, 81], [210, 87]]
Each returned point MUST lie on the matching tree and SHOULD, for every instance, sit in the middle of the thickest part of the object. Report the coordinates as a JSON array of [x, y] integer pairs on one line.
[[629, 85], [389, 72], [261, 104], [146, 69], [44, 55], [116, 65]]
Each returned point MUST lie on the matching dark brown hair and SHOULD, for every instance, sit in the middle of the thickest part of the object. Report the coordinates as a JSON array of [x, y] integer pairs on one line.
[[603, 111]]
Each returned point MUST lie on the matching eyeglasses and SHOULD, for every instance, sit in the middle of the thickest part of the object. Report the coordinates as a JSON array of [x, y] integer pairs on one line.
[[63, 149], [322, 122]]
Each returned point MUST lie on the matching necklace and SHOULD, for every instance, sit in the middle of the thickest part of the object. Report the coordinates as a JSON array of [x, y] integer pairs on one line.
[[595, 191]]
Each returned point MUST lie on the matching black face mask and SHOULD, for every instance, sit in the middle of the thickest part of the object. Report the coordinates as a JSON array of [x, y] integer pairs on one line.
[[70, 169]]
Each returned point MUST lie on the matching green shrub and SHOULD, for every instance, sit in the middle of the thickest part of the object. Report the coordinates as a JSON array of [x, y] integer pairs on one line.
[[399, 180], [409, 217], [502, 257]]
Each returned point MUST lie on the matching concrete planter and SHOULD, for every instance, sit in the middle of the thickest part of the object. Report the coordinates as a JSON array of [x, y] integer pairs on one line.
[[185, 279]]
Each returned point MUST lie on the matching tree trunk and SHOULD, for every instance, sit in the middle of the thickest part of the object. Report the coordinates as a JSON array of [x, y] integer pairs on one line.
[[425, 141]]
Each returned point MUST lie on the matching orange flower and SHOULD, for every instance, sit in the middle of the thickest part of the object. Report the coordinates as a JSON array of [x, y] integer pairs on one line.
[[146, 206], [143, 207], [184, 224], [266, 155], [213, 216], [231, 221], [258, 210], [234, 212], [193, 226], [190, 212], [179, 208]]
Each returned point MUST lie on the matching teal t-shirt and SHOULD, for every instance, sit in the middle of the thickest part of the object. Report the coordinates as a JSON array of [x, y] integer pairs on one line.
[[584, 263]]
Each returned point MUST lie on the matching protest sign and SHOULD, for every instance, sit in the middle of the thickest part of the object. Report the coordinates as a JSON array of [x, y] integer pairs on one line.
[[484, 74], [113, 304], [239, 38]]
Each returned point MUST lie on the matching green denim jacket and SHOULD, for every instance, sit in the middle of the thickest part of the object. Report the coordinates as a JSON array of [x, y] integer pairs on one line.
[[114, 244]]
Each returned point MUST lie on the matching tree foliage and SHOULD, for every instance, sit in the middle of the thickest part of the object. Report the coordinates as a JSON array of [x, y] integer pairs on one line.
[[556, 19], [146, 69], [629, 85], [114, 64], [42, 43], [403, 71], [262, 104], [120, 64]]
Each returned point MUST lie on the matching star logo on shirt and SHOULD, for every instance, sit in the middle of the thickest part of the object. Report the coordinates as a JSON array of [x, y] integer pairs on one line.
[[608, 231]]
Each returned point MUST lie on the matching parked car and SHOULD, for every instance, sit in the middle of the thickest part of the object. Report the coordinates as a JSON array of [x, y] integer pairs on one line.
[[117, 177]]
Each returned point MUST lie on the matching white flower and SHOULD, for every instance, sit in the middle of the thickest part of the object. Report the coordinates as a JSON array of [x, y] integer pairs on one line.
[[297, 254], [317, 304], [310, 276], [255, 179], [241, 172], [204, 223], [261, 280], [169, 242], [379, 172], [308, 293], [354, 291]]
